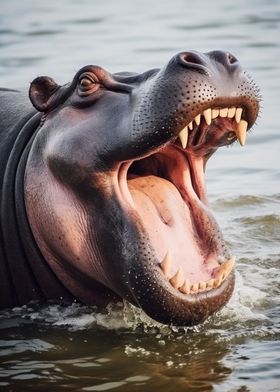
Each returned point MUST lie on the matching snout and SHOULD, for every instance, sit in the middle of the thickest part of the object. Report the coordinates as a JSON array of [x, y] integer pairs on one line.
[[205, 62]]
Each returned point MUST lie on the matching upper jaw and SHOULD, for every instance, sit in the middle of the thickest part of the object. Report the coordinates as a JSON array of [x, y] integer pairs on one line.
[[240, 116]]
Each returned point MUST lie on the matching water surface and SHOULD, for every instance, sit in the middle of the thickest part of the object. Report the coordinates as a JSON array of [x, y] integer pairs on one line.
[[76, 348]]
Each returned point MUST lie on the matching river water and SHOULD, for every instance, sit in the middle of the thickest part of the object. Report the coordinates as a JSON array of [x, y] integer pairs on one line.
[[77, 349]]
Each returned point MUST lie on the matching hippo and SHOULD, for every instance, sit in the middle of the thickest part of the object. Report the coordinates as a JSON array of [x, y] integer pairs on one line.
[[103, 196]]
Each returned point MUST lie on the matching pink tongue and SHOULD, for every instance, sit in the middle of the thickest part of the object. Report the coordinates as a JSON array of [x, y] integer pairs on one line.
[[169, 225]]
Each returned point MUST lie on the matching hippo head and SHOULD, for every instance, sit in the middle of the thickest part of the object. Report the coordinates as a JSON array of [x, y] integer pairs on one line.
[[114, 184]]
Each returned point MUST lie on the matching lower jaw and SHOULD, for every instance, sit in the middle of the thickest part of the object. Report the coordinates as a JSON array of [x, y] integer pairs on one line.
[[144, 284], [168, 306], [169, 225], [169, 221]]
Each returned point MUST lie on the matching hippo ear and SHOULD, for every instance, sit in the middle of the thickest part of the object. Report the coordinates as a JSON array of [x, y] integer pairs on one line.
[[40, 92]]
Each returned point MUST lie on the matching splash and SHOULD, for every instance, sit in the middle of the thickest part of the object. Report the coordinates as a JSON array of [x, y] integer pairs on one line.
[[241, 309]]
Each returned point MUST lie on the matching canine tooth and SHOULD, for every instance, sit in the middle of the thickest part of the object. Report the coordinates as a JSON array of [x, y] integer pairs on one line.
[[241, 132], [197, 119], [178, 279], [183, 136], [217, 282], [223, 271], [238, 114], [166, 264], [186, 287], [202, 286], [194, 287], [207, 116], [215, 113], [224, 112], [231, 112], [228, 265], [190, 126]]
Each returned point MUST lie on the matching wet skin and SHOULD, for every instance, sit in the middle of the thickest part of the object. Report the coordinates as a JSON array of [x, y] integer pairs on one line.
[[114, 182]]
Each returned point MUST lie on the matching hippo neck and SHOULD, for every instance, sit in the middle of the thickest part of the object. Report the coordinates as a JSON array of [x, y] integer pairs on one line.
[[23, 264]]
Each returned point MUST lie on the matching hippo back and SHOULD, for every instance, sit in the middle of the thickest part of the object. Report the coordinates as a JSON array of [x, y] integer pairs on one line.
[[13, 106]]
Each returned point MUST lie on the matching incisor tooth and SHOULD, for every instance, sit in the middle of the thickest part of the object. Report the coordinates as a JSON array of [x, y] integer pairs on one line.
[[215, 113], [202, 286], [190, 126], [197, 119], [186, 287], [183, 136], [207, 116], [178, 279], [194, 287], [166, 264], [224, 112], [238, 114], [241, 132], [231, 112]]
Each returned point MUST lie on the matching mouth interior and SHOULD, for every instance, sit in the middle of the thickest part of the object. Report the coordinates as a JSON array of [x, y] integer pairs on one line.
[[168, 191]]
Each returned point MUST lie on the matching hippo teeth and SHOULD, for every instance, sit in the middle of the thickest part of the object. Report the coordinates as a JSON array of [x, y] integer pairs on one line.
[[178, 279], [241, 131], [182, 284], [185, 288], [183, 136], [224, 268], [238, 114], [211, 114], [207, 116], [215, 113], [166, 264], [197, 119]]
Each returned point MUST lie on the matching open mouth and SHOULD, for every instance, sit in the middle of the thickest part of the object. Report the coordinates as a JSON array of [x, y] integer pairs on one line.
[[167, 190]]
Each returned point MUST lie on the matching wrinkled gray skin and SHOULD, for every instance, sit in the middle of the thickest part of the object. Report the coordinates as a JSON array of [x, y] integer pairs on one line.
[[84, 225]]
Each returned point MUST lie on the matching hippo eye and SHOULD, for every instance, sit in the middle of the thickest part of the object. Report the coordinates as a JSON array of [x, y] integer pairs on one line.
[[87, 84]]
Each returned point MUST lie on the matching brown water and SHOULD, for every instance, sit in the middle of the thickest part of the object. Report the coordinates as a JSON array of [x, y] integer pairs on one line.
[[77, 349]]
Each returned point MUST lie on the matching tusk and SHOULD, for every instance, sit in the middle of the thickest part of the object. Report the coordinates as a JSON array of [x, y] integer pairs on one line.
[[183, 136], [241, 132], [166, 264]]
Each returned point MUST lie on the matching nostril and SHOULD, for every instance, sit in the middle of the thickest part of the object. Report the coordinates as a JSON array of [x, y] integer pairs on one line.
[[192, 60], [227, 59], [231, 59], [189, 57]]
